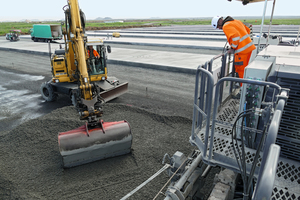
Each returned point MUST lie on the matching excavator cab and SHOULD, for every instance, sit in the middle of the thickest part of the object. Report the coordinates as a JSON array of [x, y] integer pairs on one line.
[[96, 62]]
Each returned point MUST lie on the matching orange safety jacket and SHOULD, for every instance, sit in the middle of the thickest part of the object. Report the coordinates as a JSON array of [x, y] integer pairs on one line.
[[238, 37], [94, 52]]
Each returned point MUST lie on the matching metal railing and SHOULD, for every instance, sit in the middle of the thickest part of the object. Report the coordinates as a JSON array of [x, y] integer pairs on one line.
[[201, 92], [207, 102]]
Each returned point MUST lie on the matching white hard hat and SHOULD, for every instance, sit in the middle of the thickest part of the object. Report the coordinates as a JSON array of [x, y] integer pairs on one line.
[[214, 21]]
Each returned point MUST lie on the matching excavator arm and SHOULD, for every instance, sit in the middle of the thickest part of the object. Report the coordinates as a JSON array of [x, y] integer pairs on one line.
[[78, 44], [90, 102], [77, 33]]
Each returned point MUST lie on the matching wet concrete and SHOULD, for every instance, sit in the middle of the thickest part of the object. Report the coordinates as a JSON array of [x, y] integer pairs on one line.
[[156, 106], [33, 168], [18, 104], [20, 97]]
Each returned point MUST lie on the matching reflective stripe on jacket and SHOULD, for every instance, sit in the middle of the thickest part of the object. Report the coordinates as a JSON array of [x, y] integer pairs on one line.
[[238, 36]]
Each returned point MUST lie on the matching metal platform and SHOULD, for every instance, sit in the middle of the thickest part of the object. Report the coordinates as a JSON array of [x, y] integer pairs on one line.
[[287, 181], [212, 128]]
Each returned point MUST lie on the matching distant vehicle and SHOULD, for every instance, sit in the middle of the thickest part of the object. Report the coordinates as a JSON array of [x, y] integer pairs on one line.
[[116, 34], [13, 35], [46, 32]]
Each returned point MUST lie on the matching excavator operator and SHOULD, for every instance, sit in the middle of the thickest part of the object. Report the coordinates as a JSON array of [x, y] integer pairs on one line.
[[93, 55], [238, 38]]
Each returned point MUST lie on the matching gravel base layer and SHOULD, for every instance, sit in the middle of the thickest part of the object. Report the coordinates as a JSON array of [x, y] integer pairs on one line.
[[31, 166]]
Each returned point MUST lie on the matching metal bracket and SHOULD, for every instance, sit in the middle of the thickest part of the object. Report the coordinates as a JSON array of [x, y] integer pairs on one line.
[[87, 129], [101, 125], [279, 97]]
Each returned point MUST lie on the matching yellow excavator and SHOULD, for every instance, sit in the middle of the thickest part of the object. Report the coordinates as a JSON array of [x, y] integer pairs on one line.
[[80, 71]]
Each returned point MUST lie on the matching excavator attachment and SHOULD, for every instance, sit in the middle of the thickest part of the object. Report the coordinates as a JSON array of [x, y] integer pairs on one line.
[[83, 145], [111, 88]]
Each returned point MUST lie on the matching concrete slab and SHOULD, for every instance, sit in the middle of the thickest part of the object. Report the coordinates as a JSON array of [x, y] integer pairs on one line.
[[208, 28], [161, 32], [170, 61], [213, 35], [27, 46], [193, 44], [208, 45], [163, 36]]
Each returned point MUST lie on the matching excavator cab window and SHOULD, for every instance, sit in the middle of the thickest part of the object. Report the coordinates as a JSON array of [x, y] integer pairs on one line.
[[95, 63]]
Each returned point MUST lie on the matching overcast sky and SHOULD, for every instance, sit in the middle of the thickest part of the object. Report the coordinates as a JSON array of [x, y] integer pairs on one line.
[[52, 9]]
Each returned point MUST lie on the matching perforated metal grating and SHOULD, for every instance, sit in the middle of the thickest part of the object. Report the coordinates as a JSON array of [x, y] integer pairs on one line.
[[288, 172], [222, 140], [287, 182], [283, 194], [228, 114], [224, 146]]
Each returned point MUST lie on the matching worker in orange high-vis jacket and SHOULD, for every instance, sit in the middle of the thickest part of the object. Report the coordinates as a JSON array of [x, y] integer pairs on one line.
[[95, 53], [239, 39]]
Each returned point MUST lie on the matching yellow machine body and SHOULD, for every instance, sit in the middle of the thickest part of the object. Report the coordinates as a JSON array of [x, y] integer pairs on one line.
[[96, 68]]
